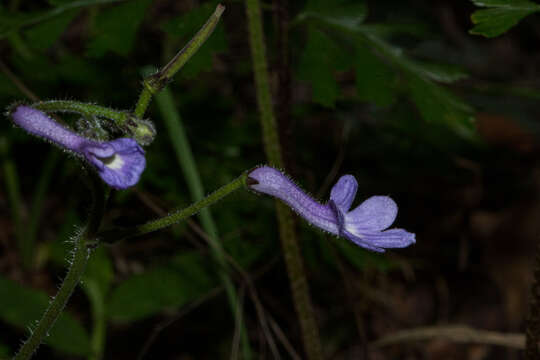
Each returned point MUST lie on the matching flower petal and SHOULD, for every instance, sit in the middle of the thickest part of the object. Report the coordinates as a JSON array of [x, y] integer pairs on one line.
[[119, 162], [360, 241], [375, 214], [393, 238], [344, 191]]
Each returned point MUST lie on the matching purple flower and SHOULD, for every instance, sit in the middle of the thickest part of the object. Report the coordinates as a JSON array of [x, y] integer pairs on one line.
[[119, 162], [363, 225]]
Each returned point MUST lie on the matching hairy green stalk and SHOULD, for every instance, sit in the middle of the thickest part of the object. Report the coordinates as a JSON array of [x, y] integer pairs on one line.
[[142, 130], [119, 117], [156, 82], [177, 216], [80, 258], [186, 160], [76, 270], [291, 251]]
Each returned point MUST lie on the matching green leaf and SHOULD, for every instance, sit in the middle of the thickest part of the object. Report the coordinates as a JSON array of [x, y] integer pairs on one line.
[[116, 28], [319, 61], [183, 279], [21, 306], [11, 22], [501, 17], [443, 73], [44, 35], [348, 14], [186, 26], [375, 80], [436, 104]]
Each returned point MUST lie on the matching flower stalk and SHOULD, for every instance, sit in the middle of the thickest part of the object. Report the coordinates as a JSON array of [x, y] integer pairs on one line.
[[177, 216], [142, 130], [289, 243]]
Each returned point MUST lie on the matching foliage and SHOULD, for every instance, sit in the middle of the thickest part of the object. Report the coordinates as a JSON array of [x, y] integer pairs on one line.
[[500, 16]]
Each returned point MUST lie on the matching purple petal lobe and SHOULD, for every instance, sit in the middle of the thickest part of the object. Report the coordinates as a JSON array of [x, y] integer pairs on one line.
[[393, 238], [360, 241], [119, 162], [344, 191], [362, 225], [375, 214]]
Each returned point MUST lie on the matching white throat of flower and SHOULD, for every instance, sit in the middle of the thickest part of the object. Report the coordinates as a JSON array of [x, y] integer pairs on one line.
[[115, 162]]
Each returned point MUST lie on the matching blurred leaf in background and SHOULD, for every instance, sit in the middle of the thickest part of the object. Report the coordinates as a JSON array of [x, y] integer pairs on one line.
[[113, 34], [21, 306], [383, 69], [182, 279], [501, 15]]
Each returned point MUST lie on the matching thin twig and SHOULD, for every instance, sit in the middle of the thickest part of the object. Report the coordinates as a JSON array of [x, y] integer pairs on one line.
[[281, 337], [246, 278], [455, 333], [18, 83], [238, 324]]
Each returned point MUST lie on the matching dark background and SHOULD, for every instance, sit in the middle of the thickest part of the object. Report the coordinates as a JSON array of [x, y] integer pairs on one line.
[[443, 121]]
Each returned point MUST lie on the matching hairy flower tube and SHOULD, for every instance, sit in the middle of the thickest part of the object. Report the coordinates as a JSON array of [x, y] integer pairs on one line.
[[118, 162], [363, 225]]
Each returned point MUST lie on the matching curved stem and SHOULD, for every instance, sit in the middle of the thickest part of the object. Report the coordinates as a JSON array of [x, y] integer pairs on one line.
[[289, 243], [78, 264], [76, 269], [119, 117], [175, 217]]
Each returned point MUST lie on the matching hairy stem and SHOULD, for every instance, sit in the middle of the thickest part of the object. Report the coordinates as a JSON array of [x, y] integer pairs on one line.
[[291, 251], [78, 264], [76, 269], [177, 216], [156, 82], [119, 117]]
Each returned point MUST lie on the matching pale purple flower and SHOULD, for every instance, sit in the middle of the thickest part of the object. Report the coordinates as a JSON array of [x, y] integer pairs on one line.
[[118, 162], [363, 225]]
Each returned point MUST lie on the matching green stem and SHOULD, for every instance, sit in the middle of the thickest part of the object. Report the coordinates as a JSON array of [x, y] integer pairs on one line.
[[119, 117], [142, 130], [291, 250], [156, 82], [76, 269], [78, 264], [161, 223]]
